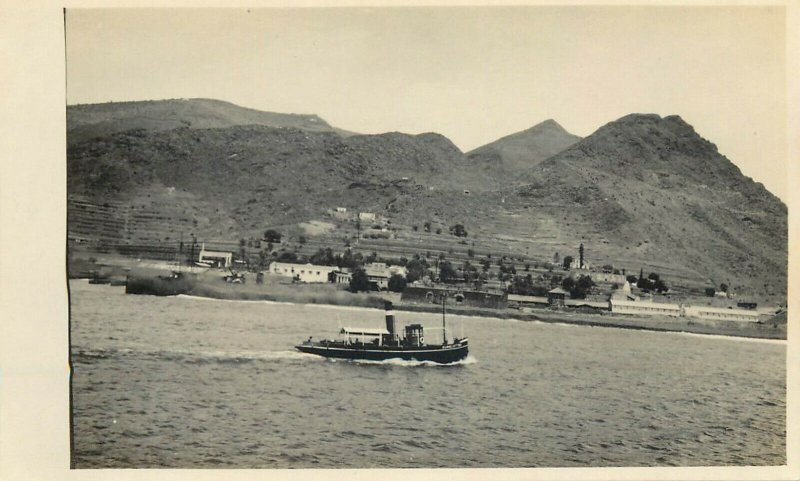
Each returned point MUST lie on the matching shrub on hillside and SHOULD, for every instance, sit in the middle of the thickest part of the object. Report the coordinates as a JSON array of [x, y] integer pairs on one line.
[[273, 236], [397, 283]]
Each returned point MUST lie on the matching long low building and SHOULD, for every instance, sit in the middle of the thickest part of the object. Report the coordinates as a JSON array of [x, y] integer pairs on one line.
[[645, 308], [309, 273], [675, 310], [520, 300], [718, 313]]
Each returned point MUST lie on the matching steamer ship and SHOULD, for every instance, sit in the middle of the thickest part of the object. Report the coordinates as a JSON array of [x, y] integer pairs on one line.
[[384, 344]]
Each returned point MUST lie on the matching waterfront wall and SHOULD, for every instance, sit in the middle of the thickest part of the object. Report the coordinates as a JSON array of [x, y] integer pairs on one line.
[[455, 297]]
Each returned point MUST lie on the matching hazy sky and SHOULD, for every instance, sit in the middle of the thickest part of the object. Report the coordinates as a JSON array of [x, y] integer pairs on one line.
[[472, 74]]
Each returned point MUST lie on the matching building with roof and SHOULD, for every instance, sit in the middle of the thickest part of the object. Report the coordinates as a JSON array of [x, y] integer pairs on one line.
[[217, 258], [309, 273], [379, 274], [556, 297], [719, 313], [620, 306]]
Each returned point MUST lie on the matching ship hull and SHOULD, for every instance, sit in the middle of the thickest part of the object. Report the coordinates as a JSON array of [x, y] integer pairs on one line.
[[440, 355]]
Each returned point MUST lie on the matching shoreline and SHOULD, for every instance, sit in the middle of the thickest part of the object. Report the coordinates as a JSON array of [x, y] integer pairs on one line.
[[324, 295]]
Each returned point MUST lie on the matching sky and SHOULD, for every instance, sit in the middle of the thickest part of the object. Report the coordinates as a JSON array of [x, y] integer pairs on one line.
[[473, 74]]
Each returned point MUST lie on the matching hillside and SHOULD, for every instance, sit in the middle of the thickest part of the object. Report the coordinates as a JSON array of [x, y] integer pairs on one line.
[[642, 192], [653, 188], [89, 121], [520, 152], [255, 176]]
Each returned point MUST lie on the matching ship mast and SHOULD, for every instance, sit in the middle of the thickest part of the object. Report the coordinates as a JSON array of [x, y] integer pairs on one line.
[[444, 330]]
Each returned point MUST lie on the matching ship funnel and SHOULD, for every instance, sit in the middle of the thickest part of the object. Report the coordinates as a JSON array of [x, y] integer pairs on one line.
[[387, 305]]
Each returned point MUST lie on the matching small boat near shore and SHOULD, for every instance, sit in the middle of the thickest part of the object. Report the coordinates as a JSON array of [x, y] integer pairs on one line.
[[384, 344]]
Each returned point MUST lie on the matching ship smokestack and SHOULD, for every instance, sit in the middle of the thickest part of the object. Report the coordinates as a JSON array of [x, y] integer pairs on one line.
[[387, 305]]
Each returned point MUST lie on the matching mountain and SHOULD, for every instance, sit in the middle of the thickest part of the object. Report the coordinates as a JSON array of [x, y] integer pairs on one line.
[[519, 152], [88, 121], [243, 177], [642, 192], [647, 188]]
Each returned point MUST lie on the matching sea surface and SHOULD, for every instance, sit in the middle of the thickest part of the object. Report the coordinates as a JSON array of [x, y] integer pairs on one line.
[[195, 383]]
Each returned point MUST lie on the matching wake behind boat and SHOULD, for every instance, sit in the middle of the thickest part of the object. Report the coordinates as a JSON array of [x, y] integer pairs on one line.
[[383, 344]]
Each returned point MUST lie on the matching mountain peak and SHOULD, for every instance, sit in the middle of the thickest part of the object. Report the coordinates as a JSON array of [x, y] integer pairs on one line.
[[519, 152], [548, 124]]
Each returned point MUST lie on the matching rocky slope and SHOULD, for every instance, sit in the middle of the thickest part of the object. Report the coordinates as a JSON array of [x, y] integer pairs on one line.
[[655, 186], [518, 153], [641, 192]]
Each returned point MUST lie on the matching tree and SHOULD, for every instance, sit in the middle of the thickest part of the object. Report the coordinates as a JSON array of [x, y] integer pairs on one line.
[[272, 236], [556, 259], [263, 259], [397, 283], [653, 276], [286, 256], [470, 253], [301, 239], [458, 230], [710, 291], [567, 262], [469, 272], [568, 283], [359, 281], [427, 226], [585, 282], [583, 285], [580, 253], [415, 270], [446, 271], [631, 279], [723, 287]]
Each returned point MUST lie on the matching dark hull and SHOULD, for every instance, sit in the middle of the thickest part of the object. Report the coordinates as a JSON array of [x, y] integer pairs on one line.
[[435, 354]]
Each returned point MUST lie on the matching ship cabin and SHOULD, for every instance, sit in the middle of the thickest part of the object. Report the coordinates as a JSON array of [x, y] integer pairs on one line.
[[367, 337], [414, 335]]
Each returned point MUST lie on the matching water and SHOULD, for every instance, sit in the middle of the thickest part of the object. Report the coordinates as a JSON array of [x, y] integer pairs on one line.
[[186, 382]]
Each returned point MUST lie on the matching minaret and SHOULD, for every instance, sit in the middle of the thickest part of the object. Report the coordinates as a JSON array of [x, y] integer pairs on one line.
[[580, 256]]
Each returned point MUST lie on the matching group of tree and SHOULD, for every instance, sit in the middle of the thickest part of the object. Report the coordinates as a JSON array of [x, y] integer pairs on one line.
[[653, 282], [525, 286], [578, 289]]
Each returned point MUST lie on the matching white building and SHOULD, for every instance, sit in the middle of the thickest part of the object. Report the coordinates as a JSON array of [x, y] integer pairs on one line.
[[380, 273], [718, 313], [220, 258], [370, 216], [645, 308], [309, 273]]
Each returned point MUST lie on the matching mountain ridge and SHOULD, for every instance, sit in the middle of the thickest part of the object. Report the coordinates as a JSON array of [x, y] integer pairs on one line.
[[85, 121], [640, 191]]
